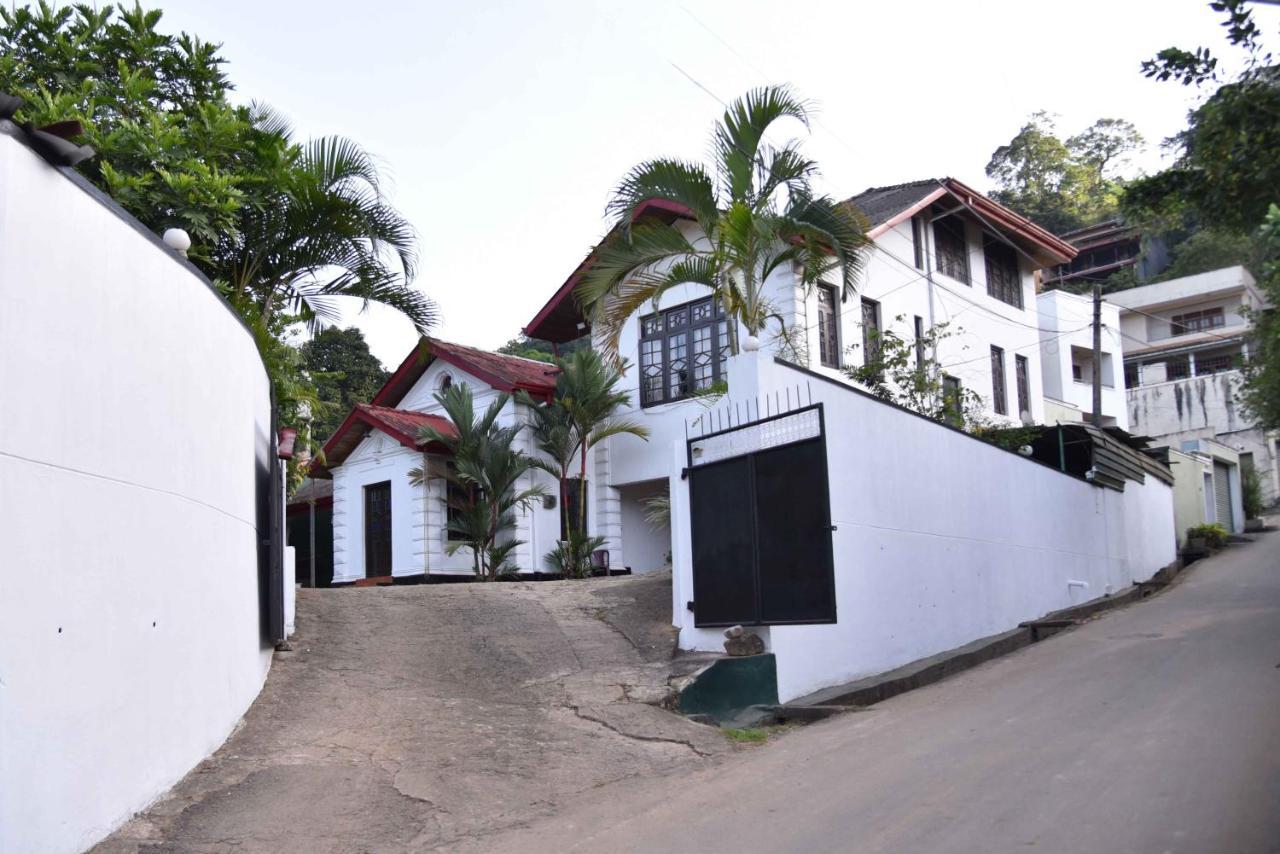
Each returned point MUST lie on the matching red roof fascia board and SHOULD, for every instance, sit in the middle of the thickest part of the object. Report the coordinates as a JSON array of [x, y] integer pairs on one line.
[[907, 213], [649, 207], [503, 372], [1059, 250], [400, 424]]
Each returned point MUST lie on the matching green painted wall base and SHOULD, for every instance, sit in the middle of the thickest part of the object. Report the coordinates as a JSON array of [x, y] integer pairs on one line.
[[730, 686]]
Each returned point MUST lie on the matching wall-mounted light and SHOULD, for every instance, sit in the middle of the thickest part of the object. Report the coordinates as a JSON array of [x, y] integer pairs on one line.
[[177, 240]]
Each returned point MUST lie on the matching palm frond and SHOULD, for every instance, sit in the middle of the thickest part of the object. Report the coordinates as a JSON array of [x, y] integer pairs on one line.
[[739, 134], [685, 184]]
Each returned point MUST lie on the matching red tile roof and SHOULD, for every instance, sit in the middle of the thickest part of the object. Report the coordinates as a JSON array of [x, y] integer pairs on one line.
[[400, 424], [505, 373]]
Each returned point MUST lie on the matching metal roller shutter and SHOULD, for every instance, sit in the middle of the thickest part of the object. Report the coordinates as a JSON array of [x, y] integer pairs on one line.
[[1222, 493]]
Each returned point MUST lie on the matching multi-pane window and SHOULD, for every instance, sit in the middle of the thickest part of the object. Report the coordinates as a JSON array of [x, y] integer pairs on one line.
[[1196, 321], [999, 396], [1178, 368], [1003, 281], [1023, 379], [1215, 364], [682, 350], [951, 248], [828, 334], [870, 331]]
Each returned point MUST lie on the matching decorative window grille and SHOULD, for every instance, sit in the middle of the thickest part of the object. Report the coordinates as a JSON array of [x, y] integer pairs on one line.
[[683, 350], [1023, 379], [999, 394], [828, 335]]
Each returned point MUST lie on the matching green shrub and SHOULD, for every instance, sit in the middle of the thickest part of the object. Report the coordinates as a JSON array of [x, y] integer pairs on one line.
[[1251, 486], [571, 558], [1215, 536]]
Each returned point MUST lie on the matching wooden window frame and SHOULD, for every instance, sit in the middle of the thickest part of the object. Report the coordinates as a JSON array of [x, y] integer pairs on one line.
[[917, 241], [1004, 274], [668, 340], [999, 383], [951, 248], [1201, 320], [870, 345], [828, 327], [1022, 379]]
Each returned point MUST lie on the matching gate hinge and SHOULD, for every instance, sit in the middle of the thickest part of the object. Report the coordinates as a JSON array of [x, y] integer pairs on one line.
[[684, 473], [689, 605], [834, 527]]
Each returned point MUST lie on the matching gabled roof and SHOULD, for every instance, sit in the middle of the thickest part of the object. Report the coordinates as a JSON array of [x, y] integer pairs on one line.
[[400, 424], [503, 372], [562, 319], [885, 207], [880, 204]]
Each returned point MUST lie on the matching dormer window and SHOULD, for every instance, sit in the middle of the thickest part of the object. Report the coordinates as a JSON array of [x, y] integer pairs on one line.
[[951, 248]]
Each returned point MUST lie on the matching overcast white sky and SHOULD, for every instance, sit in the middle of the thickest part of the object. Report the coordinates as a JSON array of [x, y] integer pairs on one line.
[[504, 126]]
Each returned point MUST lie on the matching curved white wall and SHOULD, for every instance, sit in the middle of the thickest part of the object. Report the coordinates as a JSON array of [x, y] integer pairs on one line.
[[134, 415]]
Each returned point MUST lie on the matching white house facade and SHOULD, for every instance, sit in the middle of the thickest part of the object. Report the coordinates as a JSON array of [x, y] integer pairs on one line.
[[876, 536], [1066, 359], [386, 527]]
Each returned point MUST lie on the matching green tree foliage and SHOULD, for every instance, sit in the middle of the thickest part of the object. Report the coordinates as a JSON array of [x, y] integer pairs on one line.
[[282, 228], [1228, 164], [757, 209], [904, 372], [1261, 390], [344, 373], [1063, 185], [487, 467], [542, 351]]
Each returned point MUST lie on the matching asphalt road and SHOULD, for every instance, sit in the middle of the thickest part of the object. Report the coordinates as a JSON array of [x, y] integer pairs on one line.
[[1155, 728]]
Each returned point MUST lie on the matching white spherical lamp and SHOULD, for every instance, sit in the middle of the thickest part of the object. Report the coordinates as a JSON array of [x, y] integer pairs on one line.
[[751, 344], [177, 240]]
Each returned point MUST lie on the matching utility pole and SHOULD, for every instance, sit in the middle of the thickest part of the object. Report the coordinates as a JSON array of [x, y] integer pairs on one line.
[[1097, 354]]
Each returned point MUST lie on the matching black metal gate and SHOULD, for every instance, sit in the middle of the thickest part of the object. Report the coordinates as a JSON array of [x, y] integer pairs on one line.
[[760, 520]]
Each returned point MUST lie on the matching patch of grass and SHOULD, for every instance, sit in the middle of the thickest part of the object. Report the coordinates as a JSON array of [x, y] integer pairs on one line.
[[752, 735]]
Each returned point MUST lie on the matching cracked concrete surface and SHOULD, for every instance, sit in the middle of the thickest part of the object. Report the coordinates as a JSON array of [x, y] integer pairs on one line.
[[424, 717]]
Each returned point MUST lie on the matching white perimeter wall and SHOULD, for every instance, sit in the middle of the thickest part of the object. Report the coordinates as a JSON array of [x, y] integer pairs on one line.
[[133, 412], [941, 539]]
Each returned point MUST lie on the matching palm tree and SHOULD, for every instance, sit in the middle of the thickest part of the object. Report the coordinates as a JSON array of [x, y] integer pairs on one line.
[[587, 391], [324, 230], [756, 209], [554, 436], [487, 468]]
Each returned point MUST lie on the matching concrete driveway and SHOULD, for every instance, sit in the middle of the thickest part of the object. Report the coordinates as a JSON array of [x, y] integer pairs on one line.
[[415, 717], [1154, 729]]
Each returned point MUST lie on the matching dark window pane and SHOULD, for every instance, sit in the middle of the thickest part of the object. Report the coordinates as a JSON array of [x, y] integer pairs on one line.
[[999, 394], [828, 335], [870, 331], [951, 249], [1024, 384], [677, 366], [1003, 281]]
